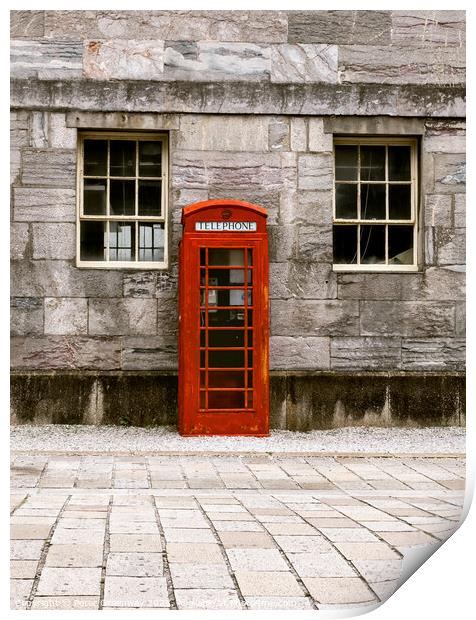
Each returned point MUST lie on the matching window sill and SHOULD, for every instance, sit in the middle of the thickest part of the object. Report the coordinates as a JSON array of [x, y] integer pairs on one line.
[[376, 268], [143, 266]]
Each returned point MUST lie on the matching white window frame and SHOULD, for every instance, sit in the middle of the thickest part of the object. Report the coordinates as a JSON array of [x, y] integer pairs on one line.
[[163, 218], [382, 141]]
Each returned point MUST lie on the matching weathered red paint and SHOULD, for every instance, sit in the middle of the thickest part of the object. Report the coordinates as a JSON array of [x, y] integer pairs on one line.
[[223, 389]]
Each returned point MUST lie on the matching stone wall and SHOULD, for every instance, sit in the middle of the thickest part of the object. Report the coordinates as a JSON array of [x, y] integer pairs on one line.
[[251, 101]]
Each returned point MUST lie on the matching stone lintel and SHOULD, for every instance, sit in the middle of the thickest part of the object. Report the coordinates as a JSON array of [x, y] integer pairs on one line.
[[240, 98]]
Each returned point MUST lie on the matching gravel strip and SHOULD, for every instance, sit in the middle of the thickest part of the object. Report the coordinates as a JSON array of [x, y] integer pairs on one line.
[[100, 439]]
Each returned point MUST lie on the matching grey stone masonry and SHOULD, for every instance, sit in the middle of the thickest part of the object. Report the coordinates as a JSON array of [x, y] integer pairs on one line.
[[251, 102]]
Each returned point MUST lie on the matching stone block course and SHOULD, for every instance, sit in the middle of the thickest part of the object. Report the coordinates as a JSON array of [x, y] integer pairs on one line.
[[377, 353], [42, 204], [126, 316], [339, 27], [66, 316], [122, 59], [26, 316], [315, 318], [49, 168], [300, 353], [46, 59], [222, 133], [304, 63], [20, 241], [27, 24], [407, 318], [54, 241]]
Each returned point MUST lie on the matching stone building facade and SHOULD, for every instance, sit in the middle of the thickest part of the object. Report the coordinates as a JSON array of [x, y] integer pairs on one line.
[[251, 103]]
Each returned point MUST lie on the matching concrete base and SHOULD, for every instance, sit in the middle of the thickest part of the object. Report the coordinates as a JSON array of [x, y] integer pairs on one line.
[[299, 401]]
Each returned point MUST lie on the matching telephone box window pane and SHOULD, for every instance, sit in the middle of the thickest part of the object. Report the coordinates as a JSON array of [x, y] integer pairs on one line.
[[226, 277], [226, 378], [226, 359], [372, 244], [345, 244], [202, 359], [94, 197], [150, 159], [250, 337], [226, 400], [150, 197], [93, 237], [151, 241], [95, 158], [249, 399], [372, 202], [250, 378], [346, 163], [399, 202], [400, 245], [227, 318], [346, 201], [250, 359], [233, 297], [226, 338], [372, 163], [224, 257], [399, 163], [122, 158], [121, 241], [122, 197]]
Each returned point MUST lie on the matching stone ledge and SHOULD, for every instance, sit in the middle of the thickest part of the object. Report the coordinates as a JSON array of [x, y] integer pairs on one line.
[[298, 401], [240, 98]]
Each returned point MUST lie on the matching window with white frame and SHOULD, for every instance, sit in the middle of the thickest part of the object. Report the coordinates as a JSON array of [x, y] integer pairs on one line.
[[122, 201], [375, 204]]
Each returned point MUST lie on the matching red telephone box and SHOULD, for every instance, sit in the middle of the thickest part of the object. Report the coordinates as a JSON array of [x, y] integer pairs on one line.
[[223, 320]]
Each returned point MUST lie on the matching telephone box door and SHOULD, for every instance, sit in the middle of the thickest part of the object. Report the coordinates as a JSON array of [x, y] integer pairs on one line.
[[223, 367]]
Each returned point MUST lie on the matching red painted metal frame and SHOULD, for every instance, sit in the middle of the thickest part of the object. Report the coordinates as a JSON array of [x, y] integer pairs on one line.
[[195, 419]]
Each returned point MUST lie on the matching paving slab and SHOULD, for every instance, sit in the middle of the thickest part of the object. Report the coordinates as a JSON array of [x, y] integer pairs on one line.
[[74, 555], [135, 565], [69, 581], [203, 598], [23, 569], [270, 583], [135, 542], [246, 539], [20, 590], [130, 592], [335, 590], [257, 560], [200, 575], [279, 602], [200, 553]]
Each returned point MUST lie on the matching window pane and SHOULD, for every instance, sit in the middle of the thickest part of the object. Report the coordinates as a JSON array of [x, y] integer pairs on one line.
[[122, 158], [346, 163], [95, 158], [346, 201], [224, 256], [217, 297], [150, 193], [151, 241], [399, 202], [225, 338], [150, 159], [345, 244], [372, 201], [226, 378], [372, 163], [400, 245], [122, 197], [225, 277], [94, 197], [226, 359], [121, 241], [226, 400], [372, 244], [93, 238], [225, 318], [399, 163]]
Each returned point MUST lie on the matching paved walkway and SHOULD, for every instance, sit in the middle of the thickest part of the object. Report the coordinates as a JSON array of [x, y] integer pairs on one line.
[[231, 532]]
